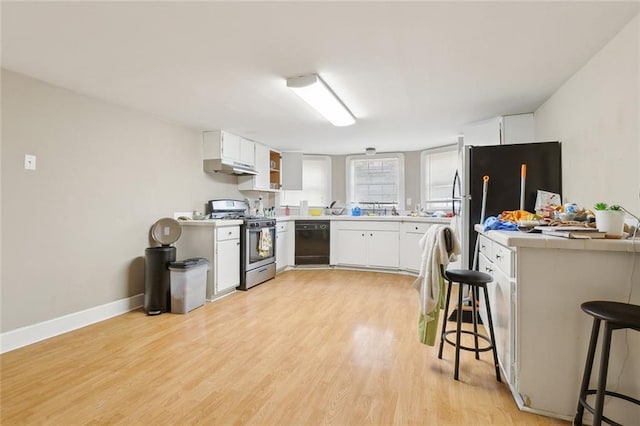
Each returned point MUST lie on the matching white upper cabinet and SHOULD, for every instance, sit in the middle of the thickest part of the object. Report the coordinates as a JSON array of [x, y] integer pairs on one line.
[[225, 152], [292, 171], [230, 146], [248, 152], [260, 181], [507, 129]]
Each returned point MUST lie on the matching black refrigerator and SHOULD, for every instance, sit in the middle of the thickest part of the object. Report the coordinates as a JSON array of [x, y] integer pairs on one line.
[[502, 163]]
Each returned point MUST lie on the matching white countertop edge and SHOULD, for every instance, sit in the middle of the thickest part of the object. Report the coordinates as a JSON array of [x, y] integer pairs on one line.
[[223, 223], [534, 240], [442, 220], [217, 223]]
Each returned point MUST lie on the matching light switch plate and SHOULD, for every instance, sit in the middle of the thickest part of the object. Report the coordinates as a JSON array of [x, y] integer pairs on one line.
[[29, 162]]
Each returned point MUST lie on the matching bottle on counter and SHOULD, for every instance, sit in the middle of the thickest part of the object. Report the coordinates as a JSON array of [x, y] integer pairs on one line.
[[287, 211]]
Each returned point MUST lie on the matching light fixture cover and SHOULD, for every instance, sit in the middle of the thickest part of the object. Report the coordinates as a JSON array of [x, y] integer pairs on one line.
[[370, 151], [313, 90]]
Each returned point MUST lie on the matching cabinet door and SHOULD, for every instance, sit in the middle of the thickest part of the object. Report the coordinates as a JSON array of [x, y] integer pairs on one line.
[[410, 253], [227, 265], [230, 147], [502, 314], [351, 247], [291, 167], [502, 319], [282, 249], [247, 153], [383, 248], [262, 167]]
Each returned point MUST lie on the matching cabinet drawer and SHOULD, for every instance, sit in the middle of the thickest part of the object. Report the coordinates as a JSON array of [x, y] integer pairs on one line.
[[228, 233], [503, 259], [415, 227], [485, 246]]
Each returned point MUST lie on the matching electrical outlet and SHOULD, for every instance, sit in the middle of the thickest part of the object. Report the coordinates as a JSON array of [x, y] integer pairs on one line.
[[409, 201], [29, 162]]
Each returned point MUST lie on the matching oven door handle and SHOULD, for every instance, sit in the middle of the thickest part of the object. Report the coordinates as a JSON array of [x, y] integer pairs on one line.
[[260, 229]]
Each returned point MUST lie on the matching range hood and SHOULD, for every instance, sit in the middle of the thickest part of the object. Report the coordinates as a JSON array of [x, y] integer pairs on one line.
[[228, 167]]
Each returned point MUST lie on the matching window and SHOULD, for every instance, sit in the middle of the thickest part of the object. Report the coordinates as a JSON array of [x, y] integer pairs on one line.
[[316, 183], [438, 167], [376, 179]]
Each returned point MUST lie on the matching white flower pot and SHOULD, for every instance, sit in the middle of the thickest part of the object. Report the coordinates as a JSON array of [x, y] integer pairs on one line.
[[610, 221]]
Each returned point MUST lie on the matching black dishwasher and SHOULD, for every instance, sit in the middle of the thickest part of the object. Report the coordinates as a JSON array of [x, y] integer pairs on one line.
[[312, 242]]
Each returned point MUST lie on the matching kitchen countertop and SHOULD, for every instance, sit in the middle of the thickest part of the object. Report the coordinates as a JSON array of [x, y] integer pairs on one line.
[[535, 240], [219, 223], [216, 223], [443, 220]]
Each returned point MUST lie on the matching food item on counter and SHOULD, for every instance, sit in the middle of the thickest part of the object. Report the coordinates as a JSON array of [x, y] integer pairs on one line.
[[517, 215]]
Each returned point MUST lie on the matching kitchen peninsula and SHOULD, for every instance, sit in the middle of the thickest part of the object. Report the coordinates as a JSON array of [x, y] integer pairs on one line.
[[542, 334]]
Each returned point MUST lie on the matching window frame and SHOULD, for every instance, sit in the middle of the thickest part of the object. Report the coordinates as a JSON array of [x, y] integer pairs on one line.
[[401, 176], [423, 169]]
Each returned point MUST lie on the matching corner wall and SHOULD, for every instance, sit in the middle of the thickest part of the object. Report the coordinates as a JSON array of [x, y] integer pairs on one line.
[[75, 229], [596, 116]]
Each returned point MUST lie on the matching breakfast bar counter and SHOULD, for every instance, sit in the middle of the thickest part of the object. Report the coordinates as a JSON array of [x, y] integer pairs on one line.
[[542, 334]]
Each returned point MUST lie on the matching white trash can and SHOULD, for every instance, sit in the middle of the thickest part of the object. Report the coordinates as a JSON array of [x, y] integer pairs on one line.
[[188, 284]]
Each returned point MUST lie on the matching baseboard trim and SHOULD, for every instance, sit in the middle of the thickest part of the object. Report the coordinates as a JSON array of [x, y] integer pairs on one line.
[[24, 336]]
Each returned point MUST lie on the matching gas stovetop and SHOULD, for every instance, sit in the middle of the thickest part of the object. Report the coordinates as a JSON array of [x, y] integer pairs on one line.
[[224, 216]]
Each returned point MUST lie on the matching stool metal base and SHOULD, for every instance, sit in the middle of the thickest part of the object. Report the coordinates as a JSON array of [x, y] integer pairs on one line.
[[601, 311], [458, 331], [467, 348]]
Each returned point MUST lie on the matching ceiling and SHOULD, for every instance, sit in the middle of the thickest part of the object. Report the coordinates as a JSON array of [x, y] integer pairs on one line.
[[412, 73]]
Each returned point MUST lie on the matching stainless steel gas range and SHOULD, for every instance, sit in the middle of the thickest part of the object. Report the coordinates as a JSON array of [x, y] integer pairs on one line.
[[257, 241]]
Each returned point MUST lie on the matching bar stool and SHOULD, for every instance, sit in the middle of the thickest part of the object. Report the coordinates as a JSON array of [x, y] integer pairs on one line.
[[616, 316], [475, 280]]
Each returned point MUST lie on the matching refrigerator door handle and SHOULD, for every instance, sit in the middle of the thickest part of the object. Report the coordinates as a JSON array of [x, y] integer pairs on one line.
[[456, 179]]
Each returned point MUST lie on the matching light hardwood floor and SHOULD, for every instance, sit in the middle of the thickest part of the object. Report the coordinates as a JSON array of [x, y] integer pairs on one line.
[[310, 347]]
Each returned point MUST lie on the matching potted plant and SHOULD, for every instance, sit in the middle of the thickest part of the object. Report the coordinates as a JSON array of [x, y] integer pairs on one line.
[[609, 219]]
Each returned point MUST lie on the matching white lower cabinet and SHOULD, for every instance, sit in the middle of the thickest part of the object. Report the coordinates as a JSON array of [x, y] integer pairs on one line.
[[227, 259], [497, 261], [221, 247], [373, 244], [410, 253], [284, 246]]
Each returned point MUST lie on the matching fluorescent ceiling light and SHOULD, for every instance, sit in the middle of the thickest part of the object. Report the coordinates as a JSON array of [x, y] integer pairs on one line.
[[316, 93]]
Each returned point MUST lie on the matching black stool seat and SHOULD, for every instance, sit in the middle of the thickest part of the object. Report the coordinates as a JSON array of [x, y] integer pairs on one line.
[[615, 316], [467, 276], [477, 280], [624, 315]]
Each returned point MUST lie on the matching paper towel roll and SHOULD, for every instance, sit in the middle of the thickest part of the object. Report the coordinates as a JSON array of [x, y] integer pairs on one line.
[[304, 208]]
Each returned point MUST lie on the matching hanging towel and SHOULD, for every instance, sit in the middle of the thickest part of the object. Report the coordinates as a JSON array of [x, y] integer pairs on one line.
[[265, 243], [429, 282]]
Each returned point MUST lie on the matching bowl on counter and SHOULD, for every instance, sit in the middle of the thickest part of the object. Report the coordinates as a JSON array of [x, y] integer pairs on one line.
[[315, 212], [565, 217]]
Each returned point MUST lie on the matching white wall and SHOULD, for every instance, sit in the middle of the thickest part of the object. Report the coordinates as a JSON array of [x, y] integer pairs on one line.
[[596, 116], [74, 230]]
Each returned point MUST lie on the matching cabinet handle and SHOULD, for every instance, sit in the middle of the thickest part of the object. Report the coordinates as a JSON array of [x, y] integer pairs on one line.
[[416, 228], [371, 235], [498, 256], [487, 269], [363, 235], [482, 246]]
